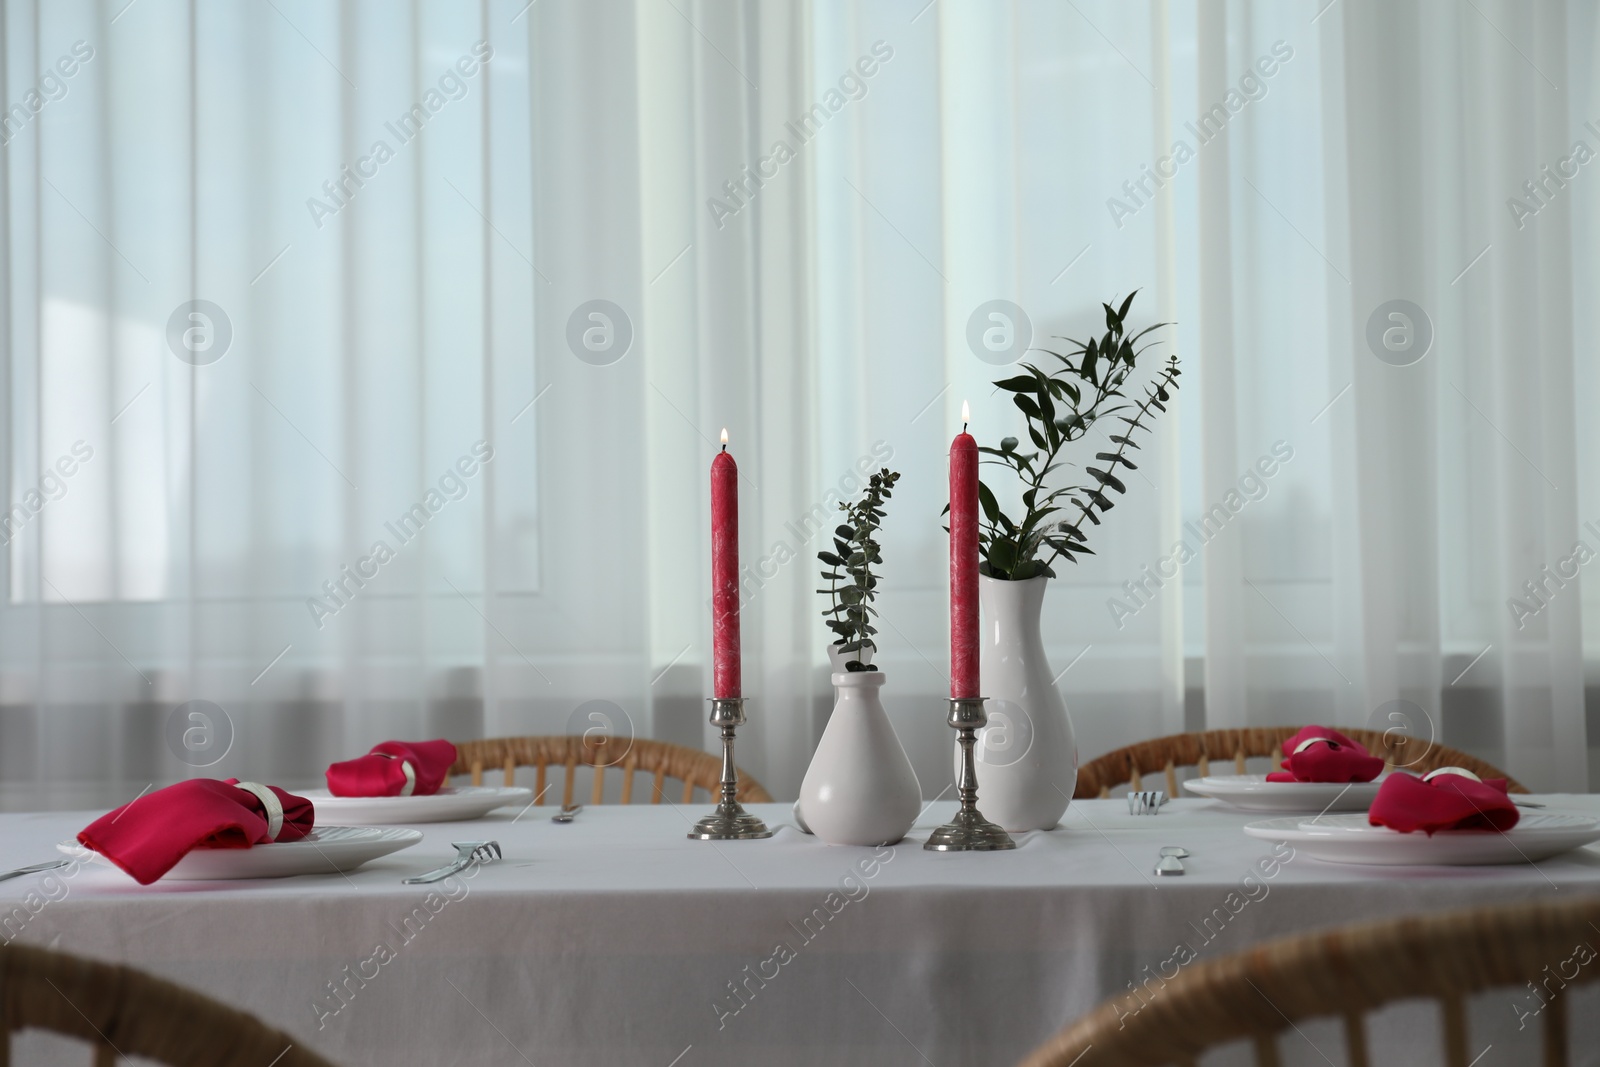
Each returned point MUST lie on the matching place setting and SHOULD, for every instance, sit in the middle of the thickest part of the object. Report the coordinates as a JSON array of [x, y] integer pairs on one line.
[[229, 830], [1448, 816]]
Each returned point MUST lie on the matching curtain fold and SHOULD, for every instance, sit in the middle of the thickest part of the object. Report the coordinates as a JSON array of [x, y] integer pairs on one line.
[[364, 363]]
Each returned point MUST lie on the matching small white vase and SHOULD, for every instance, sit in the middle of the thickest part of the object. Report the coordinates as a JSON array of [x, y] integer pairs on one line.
[[860, 788], [1027, 758]]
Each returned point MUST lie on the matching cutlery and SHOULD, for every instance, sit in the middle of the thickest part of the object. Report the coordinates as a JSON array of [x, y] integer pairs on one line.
[[37, 868], [1519, 802], [566, 814], [467, 853], [1172, 857], [1145, 802]]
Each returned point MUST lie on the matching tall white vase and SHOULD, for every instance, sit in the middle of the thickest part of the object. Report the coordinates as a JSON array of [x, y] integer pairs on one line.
[[860, 788], [1027, 758]]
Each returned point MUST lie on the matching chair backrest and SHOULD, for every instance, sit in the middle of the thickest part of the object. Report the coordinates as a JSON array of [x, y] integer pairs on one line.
[[122, 1012], [1165, 754], [1347, 973], [658, 758]]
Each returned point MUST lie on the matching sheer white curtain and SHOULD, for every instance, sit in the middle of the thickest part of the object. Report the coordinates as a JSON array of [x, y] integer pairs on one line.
[[503, 345]]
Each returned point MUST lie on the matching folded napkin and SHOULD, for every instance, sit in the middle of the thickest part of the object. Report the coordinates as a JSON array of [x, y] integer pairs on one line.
[[1450, 798], [1318, 754], [394, 769], [147, 836]]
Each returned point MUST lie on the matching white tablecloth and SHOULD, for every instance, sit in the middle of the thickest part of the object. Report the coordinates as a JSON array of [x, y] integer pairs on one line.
[[616, 940]]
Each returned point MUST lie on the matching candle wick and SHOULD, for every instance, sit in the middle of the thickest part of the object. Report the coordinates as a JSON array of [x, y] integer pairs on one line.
[[724, 448], [963, 427]]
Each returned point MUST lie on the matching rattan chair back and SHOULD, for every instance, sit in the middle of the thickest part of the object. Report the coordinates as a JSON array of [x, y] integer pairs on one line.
[[121, 1012], [1166, 754], [1259, 995], [662, 760]]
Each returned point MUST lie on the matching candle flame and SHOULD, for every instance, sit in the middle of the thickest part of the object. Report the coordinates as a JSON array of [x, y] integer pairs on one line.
[[966, 413], [724, 437]]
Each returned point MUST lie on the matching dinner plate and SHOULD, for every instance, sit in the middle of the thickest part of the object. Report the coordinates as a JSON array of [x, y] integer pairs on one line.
[[1351, 839], [326, 850], [450, 804], [1252, 792]]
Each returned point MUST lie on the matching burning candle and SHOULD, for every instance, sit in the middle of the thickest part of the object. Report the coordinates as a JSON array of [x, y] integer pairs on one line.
[[725, 574], [964, 562]]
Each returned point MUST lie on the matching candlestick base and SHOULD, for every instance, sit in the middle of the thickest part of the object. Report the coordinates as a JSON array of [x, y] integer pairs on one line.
[[729, 822], [969, 831]]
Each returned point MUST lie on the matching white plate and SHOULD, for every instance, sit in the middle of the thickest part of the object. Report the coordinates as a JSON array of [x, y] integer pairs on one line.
[[326, 850], [1351, 839], [1252, 792], [450, 804]]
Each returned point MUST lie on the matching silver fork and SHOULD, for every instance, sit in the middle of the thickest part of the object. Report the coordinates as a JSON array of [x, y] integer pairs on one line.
[[37, 868], [467, 853], [1146, 801], [566, 814]]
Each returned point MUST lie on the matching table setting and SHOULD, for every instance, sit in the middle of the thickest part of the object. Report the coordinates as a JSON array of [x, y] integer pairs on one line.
[[389, 914]]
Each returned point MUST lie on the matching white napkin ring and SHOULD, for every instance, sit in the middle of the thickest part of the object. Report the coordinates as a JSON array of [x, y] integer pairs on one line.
[[1451, 770], [409, 771], [270, 801], [1308, 742]]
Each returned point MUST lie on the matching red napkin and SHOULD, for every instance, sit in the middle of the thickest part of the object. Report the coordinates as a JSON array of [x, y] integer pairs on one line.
[[1443, 802], [147, 836], [382, 772], [1339, 759]]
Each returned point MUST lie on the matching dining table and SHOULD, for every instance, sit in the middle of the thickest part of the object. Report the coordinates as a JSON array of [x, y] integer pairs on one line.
[[616, 939]]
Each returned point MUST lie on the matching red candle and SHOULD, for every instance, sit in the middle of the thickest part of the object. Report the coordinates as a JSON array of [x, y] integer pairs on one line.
[[725, 574], [963, 563]]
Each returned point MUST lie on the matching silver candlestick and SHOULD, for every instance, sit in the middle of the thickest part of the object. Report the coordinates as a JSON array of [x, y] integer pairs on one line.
[[730, 822], [969, 831]]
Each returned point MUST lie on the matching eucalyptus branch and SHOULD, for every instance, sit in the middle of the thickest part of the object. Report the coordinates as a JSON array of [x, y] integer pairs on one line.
[[856, 550]]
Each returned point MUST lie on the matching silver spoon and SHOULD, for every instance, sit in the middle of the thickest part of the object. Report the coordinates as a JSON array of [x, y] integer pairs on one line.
[[1172, 857], [566, 814]]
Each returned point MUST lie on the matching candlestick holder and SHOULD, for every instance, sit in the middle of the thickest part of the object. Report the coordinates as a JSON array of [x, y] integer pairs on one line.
[[730, 822], [969, 831]]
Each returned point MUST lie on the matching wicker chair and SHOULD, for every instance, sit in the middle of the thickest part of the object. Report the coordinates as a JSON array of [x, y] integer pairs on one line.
[[695, 769], [1097, 777], [1346, 973], [122, 1012]]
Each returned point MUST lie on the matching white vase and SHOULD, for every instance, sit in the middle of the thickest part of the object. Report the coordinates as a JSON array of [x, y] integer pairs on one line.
[[1027, 758], [860, 788], [837, 660]]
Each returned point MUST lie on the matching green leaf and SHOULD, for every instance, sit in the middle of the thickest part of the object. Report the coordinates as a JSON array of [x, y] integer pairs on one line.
[[1122, 313], [1107, 478], [991, 508], [1116, 457], [1021, 383], [1008, 444], [1003, 554], [1027, 406], [830, 559]]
